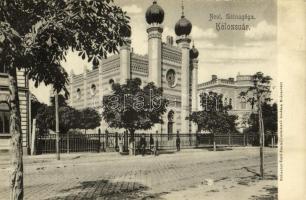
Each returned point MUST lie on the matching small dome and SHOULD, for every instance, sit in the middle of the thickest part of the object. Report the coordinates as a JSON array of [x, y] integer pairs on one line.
[[155, 14], [183, 27], [194, 53]]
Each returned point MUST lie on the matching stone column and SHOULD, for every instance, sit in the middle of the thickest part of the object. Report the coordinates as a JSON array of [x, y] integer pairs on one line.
[[125, 62], [194, 101], [184, 44], [154, 53]]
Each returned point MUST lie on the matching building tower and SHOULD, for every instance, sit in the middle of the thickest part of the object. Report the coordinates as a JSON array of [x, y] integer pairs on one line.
[[182, 30], [155, 17], [194, 54], [125, 55]]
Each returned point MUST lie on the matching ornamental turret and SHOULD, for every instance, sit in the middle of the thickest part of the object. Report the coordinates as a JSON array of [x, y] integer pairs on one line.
[[155, 17], [182, 29], [194, 54]]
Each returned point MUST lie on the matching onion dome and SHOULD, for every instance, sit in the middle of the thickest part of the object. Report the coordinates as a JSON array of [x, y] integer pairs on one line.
[[155, 14], [183, 27], [194, 53]]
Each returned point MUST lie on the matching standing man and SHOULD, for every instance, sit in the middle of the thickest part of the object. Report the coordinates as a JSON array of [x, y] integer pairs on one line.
[[143, 144], [178, 141]]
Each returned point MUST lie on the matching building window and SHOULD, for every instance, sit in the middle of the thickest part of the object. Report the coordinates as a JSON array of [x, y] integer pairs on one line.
[[170, 77], [111, 81], [2, 69], [4, 119], [78, 93], [225, 101], [230, 102], [243, 103], [93, 90]]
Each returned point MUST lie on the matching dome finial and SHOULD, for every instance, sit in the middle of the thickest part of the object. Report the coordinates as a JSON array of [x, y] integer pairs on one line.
[[155, 14], [183, 8]]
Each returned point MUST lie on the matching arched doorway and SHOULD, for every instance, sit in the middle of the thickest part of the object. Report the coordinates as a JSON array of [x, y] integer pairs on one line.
[[170, 124]]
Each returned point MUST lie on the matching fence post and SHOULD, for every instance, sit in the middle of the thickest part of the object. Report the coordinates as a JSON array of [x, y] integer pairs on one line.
[[106, 139], [229, 139], [116, 141], [68, 143], [99, 137]]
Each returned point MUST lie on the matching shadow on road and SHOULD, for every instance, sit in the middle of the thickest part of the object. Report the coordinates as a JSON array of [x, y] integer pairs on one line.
[[104, 189]]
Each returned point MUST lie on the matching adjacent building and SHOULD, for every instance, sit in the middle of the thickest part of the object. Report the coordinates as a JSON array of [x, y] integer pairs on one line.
[[230, 89], [23, 87]]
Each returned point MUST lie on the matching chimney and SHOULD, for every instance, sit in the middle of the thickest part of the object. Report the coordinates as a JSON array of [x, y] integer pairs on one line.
[[214, 77]]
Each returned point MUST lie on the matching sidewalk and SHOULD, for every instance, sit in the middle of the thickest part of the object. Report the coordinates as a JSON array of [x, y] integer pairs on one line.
[[109, 175]]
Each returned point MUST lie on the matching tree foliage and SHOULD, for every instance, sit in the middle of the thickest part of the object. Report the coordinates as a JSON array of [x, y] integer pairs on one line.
[[132, 107], [36, 35], [214, 117], [89, 119], [269, 114]]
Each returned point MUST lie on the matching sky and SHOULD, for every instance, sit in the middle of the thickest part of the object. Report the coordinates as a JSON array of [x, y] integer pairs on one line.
[[224, 53]]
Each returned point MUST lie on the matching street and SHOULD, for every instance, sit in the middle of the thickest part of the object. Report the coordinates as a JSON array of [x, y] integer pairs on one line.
[[189, 174]]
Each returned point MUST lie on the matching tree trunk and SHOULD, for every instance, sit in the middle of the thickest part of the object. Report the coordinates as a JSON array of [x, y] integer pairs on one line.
[[16, 176], [57, 126], [261, 139]]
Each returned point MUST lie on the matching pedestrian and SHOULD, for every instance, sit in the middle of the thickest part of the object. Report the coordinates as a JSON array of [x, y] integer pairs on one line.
[[178, 142], [151, 143], [143, 144]]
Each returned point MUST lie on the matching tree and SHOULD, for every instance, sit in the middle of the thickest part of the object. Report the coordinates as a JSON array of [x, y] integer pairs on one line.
[[214, 117], [269, 115], [134, 108], [36, 106], [90, 119], [35, 36], [260, 93]]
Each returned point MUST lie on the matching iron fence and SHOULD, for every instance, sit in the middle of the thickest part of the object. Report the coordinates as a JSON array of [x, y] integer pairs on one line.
[[111, 141]]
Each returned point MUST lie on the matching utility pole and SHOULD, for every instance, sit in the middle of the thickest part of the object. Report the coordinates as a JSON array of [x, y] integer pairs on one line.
[[57, 126]]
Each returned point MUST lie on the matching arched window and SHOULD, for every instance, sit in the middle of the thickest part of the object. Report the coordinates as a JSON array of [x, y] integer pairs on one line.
[[93, 90], [78, 93], [111, 81], [243, 103], [170, 124], [171, 78]]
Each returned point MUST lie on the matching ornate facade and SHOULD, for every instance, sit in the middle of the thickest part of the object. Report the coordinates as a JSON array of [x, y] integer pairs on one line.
[[172, 67]]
